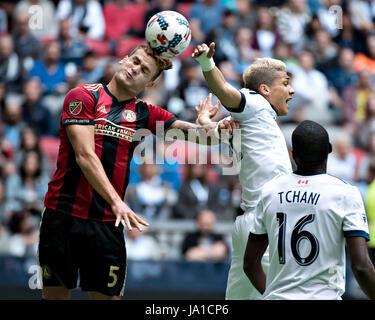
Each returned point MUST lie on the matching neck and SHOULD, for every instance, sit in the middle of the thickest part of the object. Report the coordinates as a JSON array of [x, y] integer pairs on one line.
[[118, 92], [306, 170]]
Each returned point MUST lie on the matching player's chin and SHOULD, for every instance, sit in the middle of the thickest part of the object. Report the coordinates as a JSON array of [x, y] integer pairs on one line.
[[283, 110]]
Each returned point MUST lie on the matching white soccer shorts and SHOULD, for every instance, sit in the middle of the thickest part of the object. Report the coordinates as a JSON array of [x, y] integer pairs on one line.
[[239, 286]]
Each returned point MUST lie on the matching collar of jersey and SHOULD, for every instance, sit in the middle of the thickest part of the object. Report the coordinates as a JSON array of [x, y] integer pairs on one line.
[[124, 102], [309, 174], [274, 114]]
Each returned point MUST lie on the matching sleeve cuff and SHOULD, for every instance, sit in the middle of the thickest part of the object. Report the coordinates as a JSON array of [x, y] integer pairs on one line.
[[241, 107], [169, 122], [357, 233], [258, 237], [77, 121]]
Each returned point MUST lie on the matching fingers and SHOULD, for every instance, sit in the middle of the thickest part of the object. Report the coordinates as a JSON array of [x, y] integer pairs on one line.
[[141, 221], [217, 104], [118, 220], [127, 222], [229, 125], [209, 98], [211, 50], [131, 220], [137, 221], [199, 50]]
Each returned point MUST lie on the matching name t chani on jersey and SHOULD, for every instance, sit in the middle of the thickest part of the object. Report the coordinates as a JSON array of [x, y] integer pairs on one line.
[[293, 196]]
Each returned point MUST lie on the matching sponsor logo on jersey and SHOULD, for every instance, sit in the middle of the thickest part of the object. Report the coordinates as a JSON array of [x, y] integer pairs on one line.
[[129, 115], [109, 128], [75, 108], [102, 109], [47, 273]]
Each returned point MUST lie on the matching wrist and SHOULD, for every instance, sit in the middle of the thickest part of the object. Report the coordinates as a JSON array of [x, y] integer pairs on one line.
[[207, 64], [115, 201]]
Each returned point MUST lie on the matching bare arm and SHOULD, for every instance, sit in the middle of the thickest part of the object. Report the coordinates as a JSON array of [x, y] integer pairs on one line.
[[193, 132], [255, 249], [229, 96], [83, 142], [362, 267], [203, 131]]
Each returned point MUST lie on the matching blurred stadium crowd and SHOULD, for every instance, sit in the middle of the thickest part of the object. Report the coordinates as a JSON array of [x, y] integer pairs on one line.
[[48, 47]]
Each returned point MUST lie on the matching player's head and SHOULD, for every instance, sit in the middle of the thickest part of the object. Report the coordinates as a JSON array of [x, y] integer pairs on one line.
[[140, 69], [269, 78], [311, 144]]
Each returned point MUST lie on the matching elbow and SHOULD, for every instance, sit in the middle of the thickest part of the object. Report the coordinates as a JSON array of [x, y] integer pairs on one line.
[[82, 157], [362, 269]]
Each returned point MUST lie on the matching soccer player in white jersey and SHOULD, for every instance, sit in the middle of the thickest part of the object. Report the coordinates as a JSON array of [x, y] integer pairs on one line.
[[264, 152], [306, 218]]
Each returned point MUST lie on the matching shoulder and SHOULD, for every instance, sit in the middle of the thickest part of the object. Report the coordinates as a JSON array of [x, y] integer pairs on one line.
[[91, 87], [337, 181], [276, 183], [350, 195], [79, 91], [81, 96]]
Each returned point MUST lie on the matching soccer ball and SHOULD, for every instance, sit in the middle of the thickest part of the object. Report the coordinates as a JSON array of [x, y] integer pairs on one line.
[[168, 33]]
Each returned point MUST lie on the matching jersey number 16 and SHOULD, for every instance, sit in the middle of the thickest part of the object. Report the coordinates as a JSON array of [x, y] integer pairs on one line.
[[297, 236]]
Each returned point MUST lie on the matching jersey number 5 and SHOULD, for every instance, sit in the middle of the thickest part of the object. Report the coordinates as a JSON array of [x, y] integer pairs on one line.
[[297, 236]]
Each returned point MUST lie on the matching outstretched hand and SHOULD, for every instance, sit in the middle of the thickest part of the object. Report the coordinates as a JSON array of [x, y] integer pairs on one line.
[[123, 212], [206, 110], [227, 126], [203, 48]]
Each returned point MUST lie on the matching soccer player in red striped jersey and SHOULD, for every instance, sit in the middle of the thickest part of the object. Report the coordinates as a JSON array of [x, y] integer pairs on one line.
[[80, 229]]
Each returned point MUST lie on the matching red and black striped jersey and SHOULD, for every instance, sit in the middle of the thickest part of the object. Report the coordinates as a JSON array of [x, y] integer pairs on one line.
[[115, 123]]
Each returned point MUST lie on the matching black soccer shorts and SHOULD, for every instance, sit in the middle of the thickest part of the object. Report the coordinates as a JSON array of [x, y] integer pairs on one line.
[[95, 250]]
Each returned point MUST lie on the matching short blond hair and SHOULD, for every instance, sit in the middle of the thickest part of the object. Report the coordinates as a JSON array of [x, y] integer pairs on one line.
[[262, 71]]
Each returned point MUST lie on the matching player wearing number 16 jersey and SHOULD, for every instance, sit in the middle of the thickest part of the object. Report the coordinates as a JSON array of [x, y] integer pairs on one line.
[[305, 218]]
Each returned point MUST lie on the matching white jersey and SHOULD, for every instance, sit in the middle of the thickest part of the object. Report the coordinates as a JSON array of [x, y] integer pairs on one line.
[[306, 219], [263, 148]]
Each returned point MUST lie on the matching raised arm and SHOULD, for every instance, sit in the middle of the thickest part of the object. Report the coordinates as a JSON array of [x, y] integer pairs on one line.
[[229, 96], [82, 139], [204, 131]]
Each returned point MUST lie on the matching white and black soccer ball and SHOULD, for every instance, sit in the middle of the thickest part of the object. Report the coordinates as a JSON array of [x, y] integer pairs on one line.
[[168, 33]]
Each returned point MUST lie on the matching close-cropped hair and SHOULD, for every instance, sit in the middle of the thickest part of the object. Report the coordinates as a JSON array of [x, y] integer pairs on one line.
[[262, 71], [163, 63]]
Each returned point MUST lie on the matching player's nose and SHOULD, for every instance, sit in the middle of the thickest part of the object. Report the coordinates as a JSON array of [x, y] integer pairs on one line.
[[291, 91], [135, 69]]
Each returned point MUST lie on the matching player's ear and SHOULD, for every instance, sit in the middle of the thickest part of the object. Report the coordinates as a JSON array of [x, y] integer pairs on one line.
[[264, 89], [150, 84], [294, 155]]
